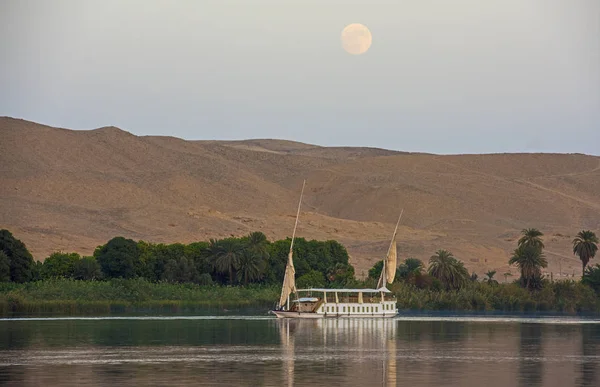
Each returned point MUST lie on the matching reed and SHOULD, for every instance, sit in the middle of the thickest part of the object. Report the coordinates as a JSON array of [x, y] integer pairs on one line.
[[563, 297], [70, 297], [64, 297]]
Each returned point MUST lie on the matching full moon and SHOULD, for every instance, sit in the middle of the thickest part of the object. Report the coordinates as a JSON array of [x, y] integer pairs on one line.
[[356, 39]]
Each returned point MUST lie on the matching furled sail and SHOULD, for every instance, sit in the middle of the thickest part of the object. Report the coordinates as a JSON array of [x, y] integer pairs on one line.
[[390, 262], [289, 281]]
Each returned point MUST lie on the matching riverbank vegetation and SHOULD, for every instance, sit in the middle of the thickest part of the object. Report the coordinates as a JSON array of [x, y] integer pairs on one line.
[[128, 276]]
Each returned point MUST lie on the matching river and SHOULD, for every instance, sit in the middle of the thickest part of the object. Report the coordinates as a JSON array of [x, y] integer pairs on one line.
[[262, 351]]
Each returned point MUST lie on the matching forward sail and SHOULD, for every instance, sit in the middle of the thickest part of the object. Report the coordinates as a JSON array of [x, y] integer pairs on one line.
[[289, 279]]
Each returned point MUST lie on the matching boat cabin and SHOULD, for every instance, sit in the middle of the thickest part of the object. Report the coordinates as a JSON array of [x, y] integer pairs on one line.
[[343, 303]]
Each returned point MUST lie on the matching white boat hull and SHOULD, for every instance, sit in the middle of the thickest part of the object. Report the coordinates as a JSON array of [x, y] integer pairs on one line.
[[311, 315]]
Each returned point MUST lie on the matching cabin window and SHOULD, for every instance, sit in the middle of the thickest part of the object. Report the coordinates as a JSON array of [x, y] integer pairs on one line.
[[363, 309], [344, 309], [376, 309], [353, 309], [337, 309]]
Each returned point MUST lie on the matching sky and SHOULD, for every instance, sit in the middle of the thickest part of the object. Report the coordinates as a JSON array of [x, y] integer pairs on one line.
[[460, 76]]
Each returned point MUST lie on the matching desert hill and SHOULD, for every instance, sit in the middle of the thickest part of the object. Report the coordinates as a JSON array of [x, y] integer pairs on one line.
[[73, 190]]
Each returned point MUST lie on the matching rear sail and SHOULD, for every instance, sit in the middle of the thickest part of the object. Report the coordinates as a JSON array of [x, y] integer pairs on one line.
[[388, 272], [289, 279], [390, 262]]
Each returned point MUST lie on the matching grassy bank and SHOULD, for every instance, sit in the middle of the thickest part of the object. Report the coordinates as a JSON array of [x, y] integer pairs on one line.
[[62, 297], [70, 297], [562, 297]]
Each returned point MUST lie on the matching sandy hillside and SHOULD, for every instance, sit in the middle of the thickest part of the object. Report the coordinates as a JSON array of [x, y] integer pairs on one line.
[[73, 190]]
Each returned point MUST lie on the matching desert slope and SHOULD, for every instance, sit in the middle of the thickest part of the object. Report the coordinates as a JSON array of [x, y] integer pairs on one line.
[[72, 190]]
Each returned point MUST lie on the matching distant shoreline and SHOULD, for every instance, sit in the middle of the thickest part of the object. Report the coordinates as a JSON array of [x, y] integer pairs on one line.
[[63, 298]]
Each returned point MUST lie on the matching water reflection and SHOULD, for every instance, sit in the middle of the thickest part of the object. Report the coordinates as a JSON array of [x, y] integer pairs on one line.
[[349, 352], [590, 350], [530, 350], [352, 350]]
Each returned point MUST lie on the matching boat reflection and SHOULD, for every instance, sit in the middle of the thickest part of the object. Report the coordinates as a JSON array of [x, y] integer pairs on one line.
[[345, 346]]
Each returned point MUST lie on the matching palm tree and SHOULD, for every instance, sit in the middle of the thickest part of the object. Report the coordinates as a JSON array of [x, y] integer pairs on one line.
[[410, 268], [449, 270], [490, 277], [530, 260], [250, 267], [531, 237], [585, 245], [413, 265], [225, 255], [257, 243]]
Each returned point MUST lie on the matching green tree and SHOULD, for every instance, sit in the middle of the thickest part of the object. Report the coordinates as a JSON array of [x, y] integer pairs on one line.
[[205, 280], [253, 258], [250, 266], [179, 270], [257, 244], [413, 265], [225, 255], [37, 271], [489, 277], [340, 275], [530, 260], [531, 237], [591, 277], [87, 269], [21, 261], [308, 255], [585, 246], [119, 258], [4, 267], [409, 268], [312, 279], [198, 253], [60, 265], [155, 259], [448, 270], [375, 271]]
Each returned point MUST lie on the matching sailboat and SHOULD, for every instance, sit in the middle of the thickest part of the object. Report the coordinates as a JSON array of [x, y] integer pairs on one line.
[[324, 303]]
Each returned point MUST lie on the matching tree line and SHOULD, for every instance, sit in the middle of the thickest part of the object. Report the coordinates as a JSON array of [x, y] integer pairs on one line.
[[228, 261], [255, 259], [446, 272]]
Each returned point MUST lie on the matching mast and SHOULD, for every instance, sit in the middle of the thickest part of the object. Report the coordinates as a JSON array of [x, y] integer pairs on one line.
[[382, 278], [289, 281], [297, 216]]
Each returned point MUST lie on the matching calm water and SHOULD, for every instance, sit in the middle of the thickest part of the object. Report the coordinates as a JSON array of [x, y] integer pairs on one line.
[[257, 351]]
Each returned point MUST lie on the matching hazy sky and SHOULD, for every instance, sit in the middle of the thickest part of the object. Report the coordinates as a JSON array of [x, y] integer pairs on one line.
[[443, 76]]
